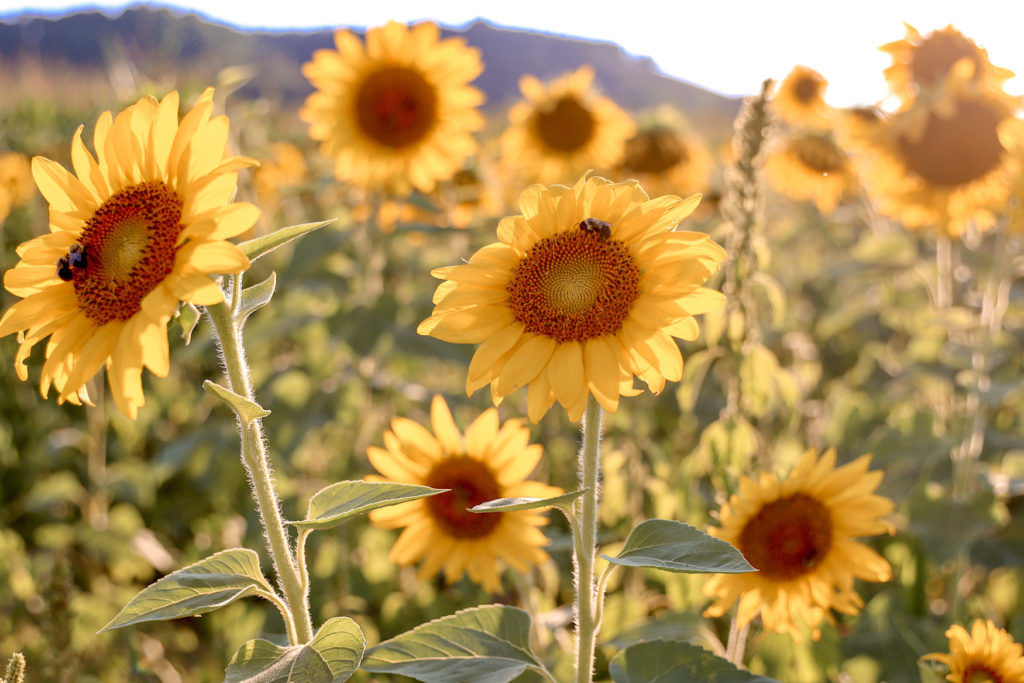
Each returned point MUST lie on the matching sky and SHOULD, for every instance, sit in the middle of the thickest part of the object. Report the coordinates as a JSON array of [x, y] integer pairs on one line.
[[728, 46]]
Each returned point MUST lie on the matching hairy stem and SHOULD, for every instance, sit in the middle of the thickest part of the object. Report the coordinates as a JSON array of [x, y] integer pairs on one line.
[[584, 549]]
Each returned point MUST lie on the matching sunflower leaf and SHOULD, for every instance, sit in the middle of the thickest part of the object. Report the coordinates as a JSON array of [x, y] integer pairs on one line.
[[332, 656], [678, 547], [261, 246], [256, 297], [342, 500], [489, 644], [665, 661], [511, 504], [188, 318], [202, 587], [247, 411]]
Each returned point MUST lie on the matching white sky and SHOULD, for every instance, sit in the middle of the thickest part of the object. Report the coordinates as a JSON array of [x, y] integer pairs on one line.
[[728, 46]]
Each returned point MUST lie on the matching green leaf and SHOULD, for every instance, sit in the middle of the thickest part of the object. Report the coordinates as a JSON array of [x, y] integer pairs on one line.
[[336, 503], [666, 661], [678, 547], [929, 673], [199, 588], [489, 644], [256, 297], [511, 504], [188, 318], [261, 246], [332, 656], [247, 411]]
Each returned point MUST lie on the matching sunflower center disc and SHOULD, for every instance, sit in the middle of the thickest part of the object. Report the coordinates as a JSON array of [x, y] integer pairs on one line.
[[818, 153], [396, 106], [566, 126], [979, 673], [576, 285], [957, 150], [788, 537], [806, 90], [130, 245], [654, 151], [471, 483], [934, 57]]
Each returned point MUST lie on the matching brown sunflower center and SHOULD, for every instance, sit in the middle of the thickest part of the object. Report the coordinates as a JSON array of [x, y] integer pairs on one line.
[[979, 673], [565, 126], [818, 152], [396, 106], [806, 89], [129, 244], [471, 483], [654, 151], [936, 55], [788, 537], [959, 149], [577, 285]]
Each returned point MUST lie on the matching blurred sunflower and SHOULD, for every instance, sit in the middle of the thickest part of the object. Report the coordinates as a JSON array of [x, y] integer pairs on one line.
[[1011, 135], [467, 199], [985, 654], [16, 186], [488, 463], [398, 112], [800, 99], [923, 62], [564, 128], [140, 229], [809, 165], [286, 168], [666, 160], [586, 289], [800, 534]]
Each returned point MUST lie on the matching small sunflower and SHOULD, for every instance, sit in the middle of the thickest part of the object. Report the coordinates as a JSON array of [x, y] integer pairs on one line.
[[986, 654], [286, 168], [586, 289], [398, 112], [15, 179], [800, 100], [139, 230], [809, 165], [564, 128], [491, 461], [799, 533], [667, 160]]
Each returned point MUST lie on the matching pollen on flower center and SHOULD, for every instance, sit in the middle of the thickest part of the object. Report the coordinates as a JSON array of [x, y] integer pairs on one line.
[[566, 126], [471, 483], [396, 106], [787, 537], [576, 285], [130, 244], [957, 150]]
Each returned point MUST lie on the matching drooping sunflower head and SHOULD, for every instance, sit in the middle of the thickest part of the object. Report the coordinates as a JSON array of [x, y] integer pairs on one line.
[[985, 655], [398, 112], [800, 100], [810, 165], [490, 461], [585, 290], [666, 159], [800, 534], [138, 228], [563, 128]]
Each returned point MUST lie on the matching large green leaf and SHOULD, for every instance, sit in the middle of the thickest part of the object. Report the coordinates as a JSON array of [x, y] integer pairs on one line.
[[332, 656], [677, 547], [260, 246], [336, 503], [199, 588], [512, 504], [666, 661], [489, 644]]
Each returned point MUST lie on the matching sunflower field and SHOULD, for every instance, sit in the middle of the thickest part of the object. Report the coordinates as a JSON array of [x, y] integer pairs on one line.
[[569, 391]]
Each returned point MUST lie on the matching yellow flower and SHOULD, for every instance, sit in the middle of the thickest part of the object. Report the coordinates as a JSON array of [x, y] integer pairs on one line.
[[398, 112], [140, 229], [986, 654], [800, 100], [564, 128], [491, 461], [665, 159], [800, 534], [810, 165], [286, 168], [585, 290], [16, 178]]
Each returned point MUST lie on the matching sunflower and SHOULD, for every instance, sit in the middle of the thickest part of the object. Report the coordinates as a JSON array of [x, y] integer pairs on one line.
[[564, 128], [15, 180], [140, 229], [666, 159], [808, 164], [585, 290], [799, 533], [923, 62], [285, 169], [398, 112], [1011, 135], [800, 100], [491, 461], [986, 653]]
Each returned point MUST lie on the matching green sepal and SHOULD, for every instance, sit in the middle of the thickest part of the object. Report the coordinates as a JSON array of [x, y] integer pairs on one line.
[[247, 411], [188, 318]]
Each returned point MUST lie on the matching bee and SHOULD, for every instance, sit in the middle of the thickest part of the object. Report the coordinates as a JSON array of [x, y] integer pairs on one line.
[[75, 259], [599, 228]]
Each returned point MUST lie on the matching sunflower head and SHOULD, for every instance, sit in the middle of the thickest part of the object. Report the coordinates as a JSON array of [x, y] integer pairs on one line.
[[585, 290], [809, 165], [140, 227], [490, 461], [666, 158], [799, 533], [800, 99], [397, 112], [985, 655]]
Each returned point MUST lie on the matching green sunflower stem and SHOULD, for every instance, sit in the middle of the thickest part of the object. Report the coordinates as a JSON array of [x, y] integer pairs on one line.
[[585, 549], [228, 329]]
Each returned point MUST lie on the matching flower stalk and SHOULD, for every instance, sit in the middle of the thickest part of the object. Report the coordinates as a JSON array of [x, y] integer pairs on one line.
[[585, 546]]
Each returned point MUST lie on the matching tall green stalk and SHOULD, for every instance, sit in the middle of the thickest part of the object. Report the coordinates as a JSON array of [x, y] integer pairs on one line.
[[585, 545]]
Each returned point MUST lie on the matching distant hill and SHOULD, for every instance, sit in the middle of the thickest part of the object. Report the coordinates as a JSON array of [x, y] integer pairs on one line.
[[160, 43]]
